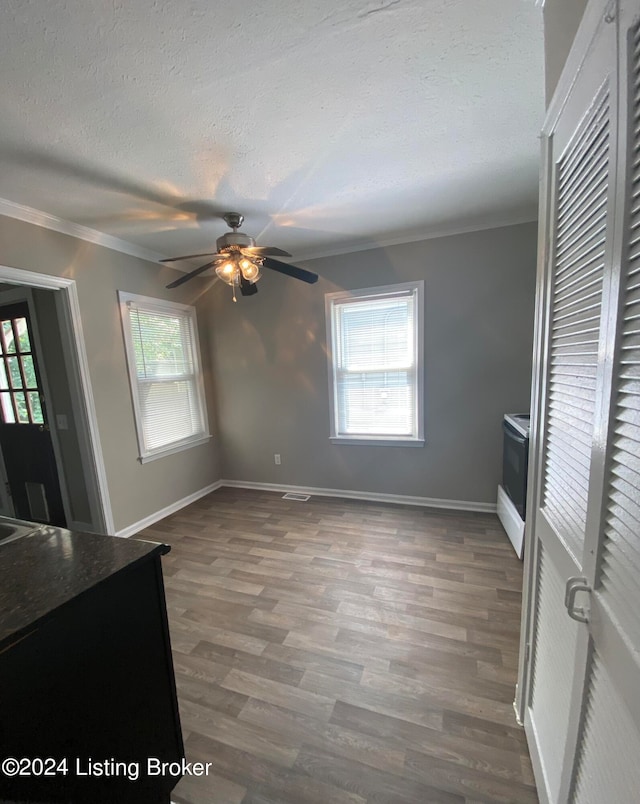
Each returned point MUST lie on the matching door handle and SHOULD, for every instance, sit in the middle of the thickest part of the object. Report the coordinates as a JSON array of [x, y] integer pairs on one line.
[[575, 585]]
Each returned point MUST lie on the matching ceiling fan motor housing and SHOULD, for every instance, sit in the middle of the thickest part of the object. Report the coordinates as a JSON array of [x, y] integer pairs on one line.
[[232, 241]]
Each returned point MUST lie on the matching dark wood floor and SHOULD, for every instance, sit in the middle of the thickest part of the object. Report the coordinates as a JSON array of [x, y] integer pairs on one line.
[[343, 651]]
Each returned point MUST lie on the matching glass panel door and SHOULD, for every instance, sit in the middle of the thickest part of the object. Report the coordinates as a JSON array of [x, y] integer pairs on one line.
[[20, 400]]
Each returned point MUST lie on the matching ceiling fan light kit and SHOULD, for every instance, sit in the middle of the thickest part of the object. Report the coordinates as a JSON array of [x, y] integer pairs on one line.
[[238, 260]]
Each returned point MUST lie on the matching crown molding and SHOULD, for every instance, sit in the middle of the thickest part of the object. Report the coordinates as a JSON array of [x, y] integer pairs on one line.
[[415, 238], [11, 209], [47, 221]]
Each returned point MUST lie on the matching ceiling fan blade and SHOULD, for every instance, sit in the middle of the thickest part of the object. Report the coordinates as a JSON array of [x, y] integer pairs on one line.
[[186, 277], [290, 270], [190, 256], [265, 251], [247, 288]]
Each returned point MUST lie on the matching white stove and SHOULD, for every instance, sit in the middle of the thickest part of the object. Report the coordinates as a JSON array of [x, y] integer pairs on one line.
[[512, 493]]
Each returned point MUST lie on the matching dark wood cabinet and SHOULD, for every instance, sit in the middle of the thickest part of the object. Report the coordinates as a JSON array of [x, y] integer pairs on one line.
[[93, 683]]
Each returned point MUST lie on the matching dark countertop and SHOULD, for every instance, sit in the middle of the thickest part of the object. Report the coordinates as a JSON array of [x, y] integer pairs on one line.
[[44, 570]]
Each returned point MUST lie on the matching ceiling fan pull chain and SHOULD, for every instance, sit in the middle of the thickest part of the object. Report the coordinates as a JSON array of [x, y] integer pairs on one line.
[[234, 292]]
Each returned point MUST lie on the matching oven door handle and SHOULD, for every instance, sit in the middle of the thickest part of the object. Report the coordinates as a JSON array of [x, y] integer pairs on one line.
[[513, 435]]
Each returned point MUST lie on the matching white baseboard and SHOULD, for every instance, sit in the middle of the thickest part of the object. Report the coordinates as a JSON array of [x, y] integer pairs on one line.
[[511, 522], [136, 527], [398, 499], [372, 496]]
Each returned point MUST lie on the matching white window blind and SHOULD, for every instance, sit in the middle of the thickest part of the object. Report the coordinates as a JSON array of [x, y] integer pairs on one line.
[[164, 369], [375, 365]]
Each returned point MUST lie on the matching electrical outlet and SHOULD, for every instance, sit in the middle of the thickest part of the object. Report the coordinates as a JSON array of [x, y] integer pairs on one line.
[[276, 459]]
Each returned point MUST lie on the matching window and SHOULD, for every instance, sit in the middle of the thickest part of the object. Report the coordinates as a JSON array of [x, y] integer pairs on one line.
[[19, 387], [165, 374], [375, 365]]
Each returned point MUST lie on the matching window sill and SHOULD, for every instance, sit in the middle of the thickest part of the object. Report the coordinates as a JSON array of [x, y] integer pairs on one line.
[[153, 456], [377, 441]]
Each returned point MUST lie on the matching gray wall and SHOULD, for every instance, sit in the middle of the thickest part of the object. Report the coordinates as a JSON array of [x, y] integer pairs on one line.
[[270, 365], [136, 490], [561, 20]]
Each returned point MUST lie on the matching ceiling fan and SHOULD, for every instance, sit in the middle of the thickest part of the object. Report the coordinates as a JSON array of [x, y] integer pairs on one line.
[[238, 260]]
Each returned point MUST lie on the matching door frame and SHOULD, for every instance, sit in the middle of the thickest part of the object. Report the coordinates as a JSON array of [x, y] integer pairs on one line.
[[82, 398]]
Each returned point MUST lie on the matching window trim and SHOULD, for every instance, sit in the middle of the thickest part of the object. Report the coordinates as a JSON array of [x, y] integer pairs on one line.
[[401, 288], [151, 304]]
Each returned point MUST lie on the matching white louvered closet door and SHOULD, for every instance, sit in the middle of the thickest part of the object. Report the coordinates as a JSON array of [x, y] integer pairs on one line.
[[607, 759], [581, 161], [582, 673]]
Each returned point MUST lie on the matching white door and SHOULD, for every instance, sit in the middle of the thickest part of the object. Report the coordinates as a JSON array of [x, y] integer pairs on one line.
[[581, 676], [607, 760]]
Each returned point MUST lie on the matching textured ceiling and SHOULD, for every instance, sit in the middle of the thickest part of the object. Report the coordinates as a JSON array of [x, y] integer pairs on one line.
[[331, 124]]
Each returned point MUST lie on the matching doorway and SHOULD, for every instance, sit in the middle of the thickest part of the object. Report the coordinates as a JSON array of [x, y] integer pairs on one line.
[[31, 473], [67, 485]]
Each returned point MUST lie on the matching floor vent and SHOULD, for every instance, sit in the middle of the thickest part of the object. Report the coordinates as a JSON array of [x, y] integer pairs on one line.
[[290, 495]]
